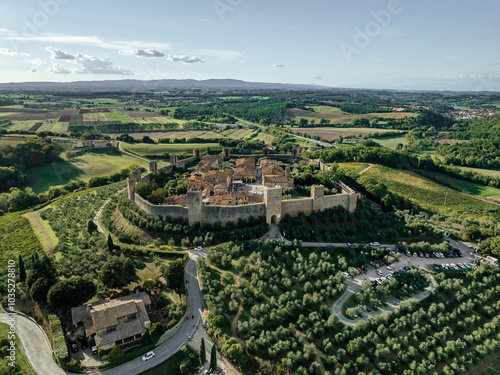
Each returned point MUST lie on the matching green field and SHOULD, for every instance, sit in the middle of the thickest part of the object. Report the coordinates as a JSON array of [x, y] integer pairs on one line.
[[488, 172], [331, 133], [171, 148], [12, 140], [17, 237], [117, 116], [391, 142], [83, 166], [336, 116], [465, 186], [21, 359], [427, 193]]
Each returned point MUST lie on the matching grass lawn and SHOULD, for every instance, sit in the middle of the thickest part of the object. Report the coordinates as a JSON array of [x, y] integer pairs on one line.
[[488, 172], [391, 142], [21, 360], [17, 237], [353, 167], [146, 269], [174, 148], [43, 231], [83, 166], [465, 186], [427, 193]]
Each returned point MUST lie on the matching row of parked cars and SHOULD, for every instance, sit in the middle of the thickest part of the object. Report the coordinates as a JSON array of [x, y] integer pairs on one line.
[[433, 254], [453, 266]]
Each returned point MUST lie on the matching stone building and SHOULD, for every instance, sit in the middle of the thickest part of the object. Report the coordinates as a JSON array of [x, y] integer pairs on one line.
[[114, 322]]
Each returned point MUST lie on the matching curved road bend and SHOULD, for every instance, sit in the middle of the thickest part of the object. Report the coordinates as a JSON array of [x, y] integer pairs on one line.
[[39, 352]]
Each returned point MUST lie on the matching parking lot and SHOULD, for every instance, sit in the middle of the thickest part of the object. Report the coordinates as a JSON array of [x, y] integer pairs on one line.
[[467, 257]]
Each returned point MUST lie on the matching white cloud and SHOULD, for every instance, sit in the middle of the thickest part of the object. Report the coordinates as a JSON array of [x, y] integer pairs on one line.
[[186, 59], [279, 66], [58, 69], [98, 65], [82, 40], [85, 64], [243, 62], [57, 54], [34, 69], [6, 51], [143, 53], [36, 61], [317, 77]]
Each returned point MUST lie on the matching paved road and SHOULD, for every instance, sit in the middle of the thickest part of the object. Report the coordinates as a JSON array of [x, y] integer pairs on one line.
[[39, 352], [354, 284], [36, 345]]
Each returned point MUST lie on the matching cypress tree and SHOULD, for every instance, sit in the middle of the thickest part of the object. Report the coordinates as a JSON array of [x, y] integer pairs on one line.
[[203, 355], [22, 270], [213, 358], [111, 245]]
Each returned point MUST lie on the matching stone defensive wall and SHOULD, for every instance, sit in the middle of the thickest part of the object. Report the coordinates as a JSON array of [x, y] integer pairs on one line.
[[273, 208]]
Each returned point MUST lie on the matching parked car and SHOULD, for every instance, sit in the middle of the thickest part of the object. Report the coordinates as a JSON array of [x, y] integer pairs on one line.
[[427, 255], [148, 356], [94, 350], [407, 252], [374, 244], [352, 244], [198, 248], [414, 255], [379, 272], [391, 266]]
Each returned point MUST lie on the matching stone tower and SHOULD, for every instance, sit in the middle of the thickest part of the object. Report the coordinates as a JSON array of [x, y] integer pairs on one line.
[[174, 159], [287, 171], [197, 154], [225, 153], [272, 200], [137, 175], [131, 188], [195, 214], [266, 151], [317, 194], [295, 153], [153, 166]]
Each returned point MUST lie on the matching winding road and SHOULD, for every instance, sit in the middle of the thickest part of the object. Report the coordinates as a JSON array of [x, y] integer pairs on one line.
[[39, 351]]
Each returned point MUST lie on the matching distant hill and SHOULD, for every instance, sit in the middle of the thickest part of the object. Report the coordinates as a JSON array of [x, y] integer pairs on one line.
[[160, 84]]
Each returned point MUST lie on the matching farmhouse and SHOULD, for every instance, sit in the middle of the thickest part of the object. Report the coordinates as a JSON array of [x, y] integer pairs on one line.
[[114, 322]]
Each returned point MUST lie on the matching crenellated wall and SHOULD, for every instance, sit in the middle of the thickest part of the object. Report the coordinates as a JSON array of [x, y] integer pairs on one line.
[[172, 211], [273, 208]]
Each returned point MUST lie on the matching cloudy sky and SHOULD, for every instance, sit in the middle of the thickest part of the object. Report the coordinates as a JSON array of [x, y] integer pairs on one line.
[[400, 44]]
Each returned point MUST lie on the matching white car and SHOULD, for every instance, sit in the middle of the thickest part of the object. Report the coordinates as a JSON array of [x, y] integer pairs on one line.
[[198, 248], [391, 266], [147, 356], [379, 272], [374, 244]]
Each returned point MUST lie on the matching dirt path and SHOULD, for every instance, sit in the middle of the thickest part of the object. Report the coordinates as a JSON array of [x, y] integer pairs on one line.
[[131, 154], [367, 168], [318, 352], [41, 230], [234, 327]]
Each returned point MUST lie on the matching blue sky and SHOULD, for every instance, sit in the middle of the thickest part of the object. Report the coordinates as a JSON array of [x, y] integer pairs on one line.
[[397, 44]]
